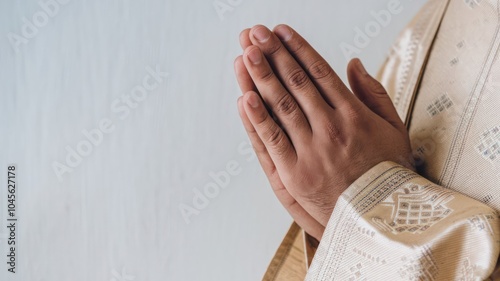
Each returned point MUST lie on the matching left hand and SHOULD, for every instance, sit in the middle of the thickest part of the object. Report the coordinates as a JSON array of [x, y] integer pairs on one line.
[[323, 137]]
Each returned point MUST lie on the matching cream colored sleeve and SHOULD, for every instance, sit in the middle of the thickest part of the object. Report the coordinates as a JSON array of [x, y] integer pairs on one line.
[[392, 224]]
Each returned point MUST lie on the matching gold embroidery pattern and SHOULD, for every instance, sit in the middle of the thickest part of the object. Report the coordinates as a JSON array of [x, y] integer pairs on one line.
[[423, 267], [357, 275], [481, 222], [489, 145], [415, 209], [468, 271], [370, 257], [439, 105]]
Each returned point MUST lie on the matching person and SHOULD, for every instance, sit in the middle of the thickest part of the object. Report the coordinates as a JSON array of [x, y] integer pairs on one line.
[[396, 177]]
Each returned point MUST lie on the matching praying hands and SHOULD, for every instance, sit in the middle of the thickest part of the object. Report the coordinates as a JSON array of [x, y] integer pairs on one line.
[[312, 135]]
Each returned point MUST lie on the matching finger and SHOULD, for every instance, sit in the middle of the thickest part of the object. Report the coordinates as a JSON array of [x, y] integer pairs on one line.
[[290, 73], [323, 76], [303, 218], [372, 94], [277, 98], [242, 76], [274, 138], [259, 147], [245, 38]]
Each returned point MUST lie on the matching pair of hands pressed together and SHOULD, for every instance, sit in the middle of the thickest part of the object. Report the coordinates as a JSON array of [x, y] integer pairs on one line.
[[312, 136]]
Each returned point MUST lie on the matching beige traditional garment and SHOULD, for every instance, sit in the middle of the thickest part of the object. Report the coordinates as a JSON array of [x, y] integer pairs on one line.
[[443, 75]]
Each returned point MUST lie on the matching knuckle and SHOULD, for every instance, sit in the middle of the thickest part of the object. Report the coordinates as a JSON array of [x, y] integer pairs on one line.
[[377, 88], [350, 110], [297, 79], [262, 118], [320, 70], [273, 136], [266, 75], [286, 105], [274, 48], [276, 141], [333, 131], [297, 46], [354, 116]]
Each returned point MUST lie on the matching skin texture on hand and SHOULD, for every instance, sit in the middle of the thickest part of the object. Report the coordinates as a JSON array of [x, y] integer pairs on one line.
[[312, 135]]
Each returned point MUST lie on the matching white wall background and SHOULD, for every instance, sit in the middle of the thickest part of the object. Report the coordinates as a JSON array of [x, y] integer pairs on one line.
[[116, 215]]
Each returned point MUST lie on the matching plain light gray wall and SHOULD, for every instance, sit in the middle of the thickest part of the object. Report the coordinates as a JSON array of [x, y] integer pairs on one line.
[[115, 214]]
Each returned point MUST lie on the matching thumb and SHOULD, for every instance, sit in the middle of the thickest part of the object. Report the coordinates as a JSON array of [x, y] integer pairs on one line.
[[372, 94]]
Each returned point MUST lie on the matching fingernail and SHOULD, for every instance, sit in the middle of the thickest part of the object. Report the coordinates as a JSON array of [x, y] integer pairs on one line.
[[262, 34], [362, 68], [283, 32], [255, 56], [253, 100]]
